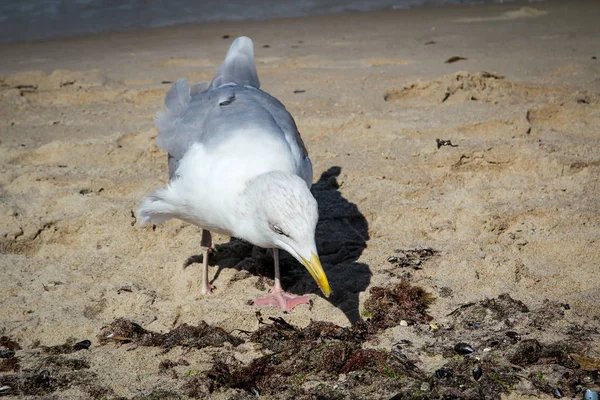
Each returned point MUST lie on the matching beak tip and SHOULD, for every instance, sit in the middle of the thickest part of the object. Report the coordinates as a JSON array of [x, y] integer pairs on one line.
[[326, 291], [316, 270]]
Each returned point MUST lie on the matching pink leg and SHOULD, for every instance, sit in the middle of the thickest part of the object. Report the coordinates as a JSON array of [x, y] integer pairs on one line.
[[205, 244], [279, 298]]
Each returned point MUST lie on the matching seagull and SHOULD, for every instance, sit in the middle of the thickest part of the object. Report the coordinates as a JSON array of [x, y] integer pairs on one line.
[[238, 167]]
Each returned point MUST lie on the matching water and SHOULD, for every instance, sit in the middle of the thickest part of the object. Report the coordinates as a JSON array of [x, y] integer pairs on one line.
[[26, 20]]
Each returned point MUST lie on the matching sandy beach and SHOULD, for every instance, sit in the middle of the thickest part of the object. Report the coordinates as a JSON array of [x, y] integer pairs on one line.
[[509, 204]]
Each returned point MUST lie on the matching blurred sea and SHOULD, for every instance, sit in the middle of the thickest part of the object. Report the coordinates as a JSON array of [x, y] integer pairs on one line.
[[26, 20]]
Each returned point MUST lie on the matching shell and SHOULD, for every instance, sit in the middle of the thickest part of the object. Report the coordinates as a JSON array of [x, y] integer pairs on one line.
[[477, 372], [443, 373], [7, 354], [83, 345], [463, 348]]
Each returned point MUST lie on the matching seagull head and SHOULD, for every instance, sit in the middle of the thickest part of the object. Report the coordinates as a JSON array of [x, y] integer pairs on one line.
[[284, 215]]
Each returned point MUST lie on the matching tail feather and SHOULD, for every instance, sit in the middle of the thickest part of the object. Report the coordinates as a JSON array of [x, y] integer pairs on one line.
[[158, 207], [239, 66]]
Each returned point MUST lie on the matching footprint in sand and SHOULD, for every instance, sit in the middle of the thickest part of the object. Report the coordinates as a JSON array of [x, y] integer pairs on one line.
[[475, 86], [64, 87]]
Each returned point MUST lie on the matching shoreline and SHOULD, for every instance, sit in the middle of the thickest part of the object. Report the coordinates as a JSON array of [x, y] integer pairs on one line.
[[252, 20]]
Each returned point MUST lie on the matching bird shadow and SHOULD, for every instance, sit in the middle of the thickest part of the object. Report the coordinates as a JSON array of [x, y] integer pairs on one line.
[[341, 235]]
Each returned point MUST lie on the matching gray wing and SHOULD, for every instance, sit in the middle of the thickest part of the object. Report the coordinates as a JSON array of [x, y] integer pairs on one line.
[[212, 115]]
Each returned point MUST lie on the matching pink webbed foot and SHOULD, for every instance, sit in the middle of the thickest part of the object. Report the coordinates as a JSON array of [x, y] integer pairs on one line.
[[284, 301]]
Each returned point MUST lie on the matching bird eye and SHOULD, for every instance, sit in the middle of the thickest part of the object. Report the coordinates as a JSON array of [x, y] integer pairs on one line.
[[277, 230]]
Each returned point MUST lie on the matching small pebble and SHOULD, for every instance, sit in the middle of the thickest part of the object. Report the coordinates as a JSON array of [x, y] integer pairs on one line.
[[403, 323], [425, 387]]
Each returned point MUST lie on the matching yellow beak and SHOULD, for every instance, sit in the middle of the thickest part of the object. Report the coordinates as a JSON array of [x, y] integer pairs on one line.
[[316, 271]]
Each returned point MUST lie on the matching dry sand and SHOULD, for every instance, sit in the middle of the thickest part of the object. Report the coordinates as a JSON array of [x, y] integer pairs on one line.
[[513, 208]]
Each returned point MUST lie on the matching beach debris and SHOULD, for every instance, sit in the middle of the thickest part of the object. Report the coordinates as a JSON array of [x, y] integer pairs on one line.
[[26, 88], [166, 82], [7, 354], [477, 372], [125, 289], [200, 336], [66, 348], [295, 354], [10, 364], [299, 91], [443, 373], [9, 344], [527, 352], [266, 46], [292, 354], [430, 42], [594, 58], [43, 378], [169, 364], [411, 257], [387, 306], [225, 36], [463, 348], [454, 59], [590, 394], [83, 345], [443, 142]]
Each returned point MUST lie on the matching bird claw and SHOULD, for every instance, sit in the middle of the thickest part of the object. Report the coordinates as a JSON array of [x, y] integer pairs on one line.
[[282, 300]]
